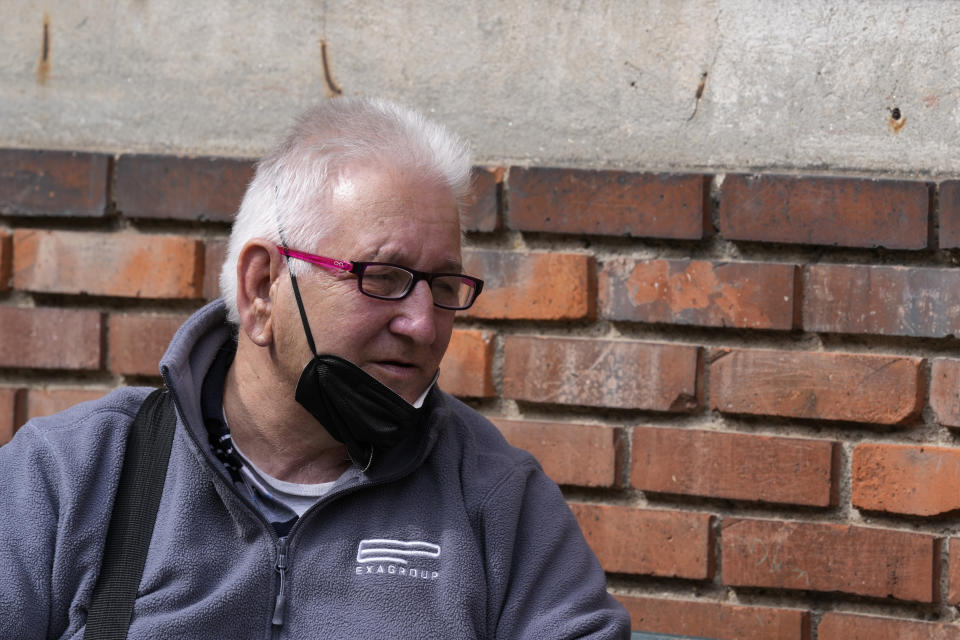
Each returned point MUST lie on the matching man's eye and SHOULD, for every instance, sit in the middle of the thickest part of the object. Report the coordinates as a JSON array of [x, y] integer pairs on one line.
[[446, 290]]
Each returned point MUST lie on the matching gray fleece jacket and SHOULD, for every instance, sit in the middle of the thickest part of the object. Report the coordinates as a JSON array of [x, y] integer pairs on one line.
[[452, 534]]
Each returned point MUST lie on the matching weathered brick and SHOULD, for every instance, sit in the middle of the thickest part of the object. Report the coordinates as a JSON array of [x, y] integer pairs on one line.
[[848, 212], [880, 563], [902, 301], [586, 455], [137, 341], [6, 253], [736, 466], [109, 264], [751, 295], [149, 186], [601, 373], [46, 401], [827, 386], [532, 286], [467, 368], [945, 390], [953, 574], [482, 214], [949, 198], [848, 626], [918, 480], [214, 253], [720, 621], [47, 338], [8, 405], [676, 544], [53, 183], [606, 202]]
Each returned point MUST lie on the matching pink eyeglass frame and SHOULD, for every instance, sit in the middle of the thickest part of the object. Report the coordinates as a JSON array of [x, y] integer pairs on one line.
[[344, 265], [357, 268]]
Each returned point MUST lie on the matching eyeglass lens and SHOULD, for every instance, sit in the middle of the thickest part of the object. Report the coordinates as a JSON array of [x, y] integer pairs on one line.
[[386, 281]]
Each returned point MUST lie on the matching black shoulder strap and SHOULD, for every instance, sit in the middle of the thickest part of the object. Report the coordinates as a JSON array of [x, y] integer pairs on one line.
[[133, 517]]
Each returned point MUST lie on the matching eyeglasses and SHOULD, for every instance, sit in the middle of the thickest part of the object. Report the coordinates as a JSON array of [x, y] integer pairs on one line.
[[387, 281]]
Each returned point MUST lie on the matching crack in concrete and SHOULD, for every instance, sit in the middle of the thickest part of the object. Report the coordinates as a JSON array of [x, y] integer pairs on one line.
[[333, 89], [43, 67]]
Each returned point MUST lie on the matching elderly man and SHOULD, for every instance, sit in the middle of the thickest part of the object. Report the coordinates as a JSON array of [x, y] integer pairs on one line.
[[319, 484]]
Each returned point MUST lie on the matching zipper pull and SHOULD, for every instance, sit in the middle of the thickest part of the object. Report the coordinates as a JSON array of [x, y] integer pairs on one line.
[[281, 603]]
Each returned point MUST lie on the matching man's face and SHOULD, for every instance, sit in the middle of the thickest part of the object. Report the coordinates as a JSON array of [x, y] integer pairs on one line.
[[380, 214]]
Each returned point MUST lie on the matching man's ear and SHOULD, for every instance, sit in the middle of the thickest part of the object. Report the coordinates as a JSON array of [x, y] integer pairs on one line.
[[258, 267]]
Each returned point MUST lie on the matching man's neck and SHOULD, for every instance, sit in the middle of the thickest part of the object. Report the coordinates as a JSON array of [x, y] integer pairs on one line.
[[273, 430]]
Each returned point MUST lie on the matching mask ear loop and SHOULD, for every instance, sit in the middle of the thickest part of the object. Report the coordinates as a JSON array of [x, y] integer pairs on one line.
[[306, 324], [303, 314], [293, 279]]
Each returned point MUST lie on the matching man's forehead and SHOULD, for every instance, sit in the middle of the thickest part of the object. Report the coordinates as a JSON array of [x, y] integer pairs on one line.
[[368, 180], [378, 198], [384, 197]]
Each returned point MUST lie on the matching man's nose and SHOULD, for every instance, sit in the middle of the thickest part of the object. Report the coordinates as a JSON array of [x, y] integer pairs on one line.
[[417, 315]]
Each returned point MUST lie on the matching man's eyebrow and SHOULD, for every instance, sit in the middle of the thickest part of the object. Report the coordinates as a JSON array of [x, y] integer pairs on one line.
[[452, 265], [447, 265]]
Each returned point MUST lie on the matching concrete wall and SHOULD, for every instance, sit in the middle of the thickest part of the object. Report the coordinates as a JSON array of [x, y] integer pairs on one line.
[[634, 83]]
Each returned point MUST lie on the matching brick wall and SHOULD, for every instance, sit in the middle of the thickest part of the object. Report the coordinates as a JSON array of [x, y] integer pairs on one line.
[[746, 384]]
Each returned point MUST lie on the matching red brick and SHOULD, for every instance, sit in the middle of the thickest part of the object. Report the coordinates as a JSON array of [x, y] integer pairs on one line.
[[847, 212], [752, 295], [675, 544], [137, 341], [53, 183], [214, 253], [8, 405], [847, 626], [902, 301], [918, 480], [601, 373], [532, 286], [46, 402], [47, 338], [587, 455], [953, 595], [735, 466], [702, 619], [181, 188], [944, 394], [880, 563], [606, 202], [109, 264], [949, 198], [482, 214], [6, 251], [467, 368], [827, 386]]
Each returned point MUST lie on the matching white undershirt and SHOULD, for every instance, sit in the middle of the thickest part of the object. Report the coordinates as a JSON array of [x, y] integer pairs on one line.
[[295, 495]]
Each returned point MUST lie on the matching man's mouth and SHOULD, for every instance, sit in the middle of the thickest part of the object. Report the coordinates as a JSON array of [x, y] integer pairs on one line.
[[400, 367], [402, 376]]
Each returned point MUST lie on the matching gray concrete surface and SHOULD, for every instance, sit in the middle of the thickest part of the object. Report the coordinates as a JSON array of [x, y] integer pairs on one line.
[[806, 84]]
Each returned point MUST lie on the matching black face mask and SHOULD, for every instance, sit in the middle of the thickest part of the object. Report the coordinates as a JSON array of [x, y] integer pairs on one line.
[[356, 408]]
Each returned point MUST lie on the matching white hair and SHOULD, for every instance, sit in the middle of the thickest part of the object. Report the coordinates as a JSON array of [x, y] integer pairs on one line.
[[293, 179]]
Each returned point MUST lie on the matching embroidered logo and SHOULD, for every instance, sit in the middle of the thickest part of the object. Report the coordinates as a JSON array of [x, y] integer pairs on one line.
[[400, 558]]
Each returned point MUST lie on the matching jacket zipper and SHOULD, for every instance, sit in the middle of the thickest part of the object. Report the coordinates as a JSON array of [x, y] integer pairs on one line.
[[281, 543], [281, 603]]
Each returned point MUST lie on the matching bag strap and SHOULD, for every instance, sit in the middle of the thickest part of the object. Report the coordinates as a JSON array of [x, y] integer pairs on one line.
[[133, 517]]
